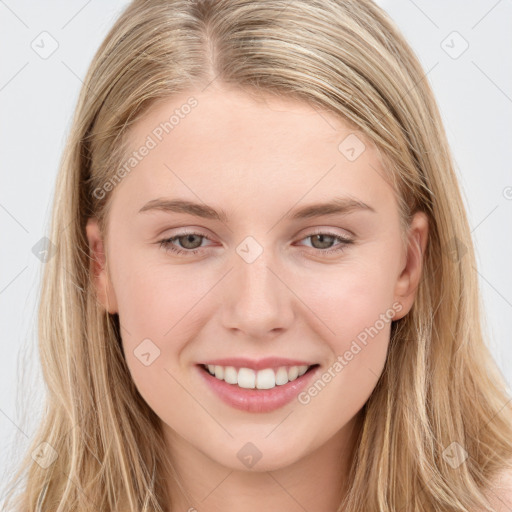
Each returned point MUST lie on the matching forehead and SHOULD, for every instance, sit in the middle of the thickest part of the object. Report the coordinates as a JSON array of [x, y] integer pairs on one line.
[[254, 150]]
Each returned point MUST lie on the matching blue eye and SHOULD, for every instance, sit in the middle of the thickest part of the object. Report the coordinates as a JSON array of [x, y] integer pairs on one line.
[[169, 245]]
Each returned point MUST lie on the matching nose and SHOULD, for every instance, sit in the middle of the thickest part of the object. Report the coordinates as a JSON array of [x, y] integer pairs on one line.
[[257, 301]]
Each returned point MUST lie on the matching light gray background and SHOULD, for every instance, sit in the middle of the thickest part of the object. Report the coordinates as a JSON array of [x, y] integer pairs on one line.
[[38, 96]]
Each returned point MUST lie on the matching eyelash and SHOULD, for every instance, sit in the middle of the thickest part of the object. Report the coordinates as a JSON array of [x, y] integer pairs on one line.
[[168, 246]]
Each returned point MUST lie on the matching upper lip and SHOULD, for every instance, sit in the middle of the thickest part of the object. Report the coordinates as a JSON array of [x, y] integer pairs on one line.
[[256, 364]]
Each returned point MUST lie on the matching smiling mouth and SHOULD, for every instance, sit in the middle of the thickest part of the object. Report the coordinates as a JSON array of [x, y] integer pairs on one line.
[[268, 378]]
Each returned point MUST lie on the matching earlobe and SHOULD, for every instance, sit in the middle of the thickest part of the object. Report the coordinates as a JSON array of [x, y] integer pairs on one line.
[[409, 279], [98, 268]]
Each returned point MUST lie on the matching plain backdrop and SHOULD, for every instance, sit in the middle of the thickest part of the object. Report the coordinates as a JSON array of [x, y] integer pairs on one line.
[[465, 48]]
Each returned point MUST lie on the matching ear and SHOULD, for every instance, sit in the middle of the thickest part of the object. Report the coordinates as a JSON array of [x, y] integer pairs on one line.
[[409, 279], [98, 268]]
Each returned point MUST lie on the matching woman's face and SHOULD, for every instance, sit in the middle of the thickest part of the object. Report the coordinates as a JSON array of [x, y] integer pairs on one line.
[[263, 274]]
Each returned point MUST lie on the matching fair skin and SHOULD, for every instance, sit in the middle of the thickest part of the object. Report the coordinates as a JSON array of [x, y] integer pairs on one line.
[[500, 495], [259, 161]]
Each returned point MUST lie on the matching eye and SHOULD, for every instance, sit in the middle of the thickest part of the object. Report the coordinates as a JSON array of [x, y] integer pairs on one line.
[[188, 240], [191, 243], [322, 241]]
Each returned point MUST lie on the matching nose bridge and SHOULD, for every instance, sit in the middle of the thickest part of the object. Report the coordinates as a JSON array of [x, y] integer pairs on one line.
[[255, 281], [257, 301]]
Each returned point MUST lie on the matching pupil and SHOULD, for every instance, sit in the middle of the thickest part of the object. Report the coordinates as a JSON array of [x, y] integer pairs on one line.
[[189, 239], [322, 239]]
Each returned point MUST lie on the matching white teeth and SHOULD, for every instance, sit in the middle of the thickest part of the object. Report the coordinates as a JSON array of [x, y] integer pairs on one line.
[[266, 379], [282, 376], [219, 372], [302, 370], [246, 378], [263, 379], [230, 375], [293, 373]]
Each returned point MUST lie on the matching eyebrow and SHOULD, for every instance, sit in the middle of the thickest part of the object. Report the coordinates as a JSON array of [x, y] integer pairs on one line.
[[338, 205]]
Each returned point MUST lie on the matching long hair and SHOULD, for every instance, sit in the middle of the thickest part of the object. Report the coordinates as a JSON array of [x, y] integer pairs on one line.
[[440, 392]]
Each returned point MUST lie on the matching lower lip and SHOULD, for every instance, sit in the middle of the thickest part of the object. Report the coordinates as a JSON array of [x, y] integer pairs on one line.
[[257, 400]]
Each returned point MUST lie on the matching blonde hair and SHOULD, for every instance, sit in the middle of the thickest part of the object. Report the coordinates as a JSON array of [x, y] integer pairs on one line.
[[440, 384]]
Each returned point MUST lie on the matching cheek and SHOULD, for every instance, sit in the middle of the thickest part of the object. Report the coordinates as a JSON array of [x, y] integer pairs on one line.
[[156, 312], [355, 305], [357, 308], [160, 310], [156, 300], [349, 297]]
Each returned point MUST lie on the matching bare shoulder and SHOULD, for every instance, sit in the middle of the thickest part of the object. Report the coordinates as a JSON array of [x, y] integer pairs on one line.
[[500, 495]]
